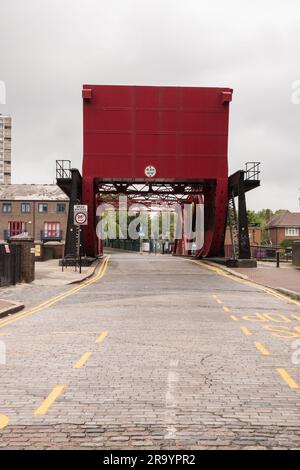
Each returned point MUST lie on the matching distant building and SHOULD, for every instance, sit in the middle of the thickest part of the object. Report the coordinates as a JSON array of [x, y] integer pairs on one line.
[[5, 149], [284, 226], [39, 210], [254, 235]]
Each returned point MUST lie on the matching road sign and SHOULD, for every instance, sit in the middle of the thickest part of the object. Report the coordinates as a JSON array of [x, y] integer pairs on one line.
[[80, 214], [150, 171]]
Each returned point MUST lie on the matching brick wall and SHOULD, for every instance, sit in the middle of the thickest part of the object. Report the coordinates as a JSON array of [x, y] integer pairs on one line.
[[254, 236], [35, 220], [277, 235]]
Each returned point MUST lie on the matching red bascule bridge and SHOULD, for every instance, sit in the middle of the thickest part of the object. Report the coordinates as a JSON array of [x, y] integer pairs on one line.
[[158, 144]]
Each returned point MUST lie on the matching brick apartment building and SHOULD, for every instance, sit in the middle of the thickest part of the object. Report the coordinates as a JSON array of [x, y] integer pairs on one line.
[[284, 226], [5, 149], [254, 235], [39, 210]]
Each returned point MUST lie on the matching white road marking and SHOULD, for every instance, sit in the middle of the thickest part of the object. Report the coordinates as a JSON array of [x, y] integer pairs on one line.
[[171, 403]]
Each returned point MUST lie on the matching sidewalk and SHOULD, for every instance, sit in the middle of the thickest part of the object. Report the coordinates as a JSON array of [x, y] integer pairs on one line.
[[285, 277], [49, 273], [8, 307]]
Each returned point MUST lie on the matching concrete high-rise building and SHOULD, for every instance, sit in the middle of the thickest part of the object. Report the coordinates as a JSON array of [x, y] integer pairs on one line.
[[5, 149]]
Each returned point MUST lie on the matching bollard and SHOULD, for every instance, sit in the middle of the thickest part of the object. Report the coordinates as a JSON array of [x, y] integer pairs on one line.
[[277, 259]]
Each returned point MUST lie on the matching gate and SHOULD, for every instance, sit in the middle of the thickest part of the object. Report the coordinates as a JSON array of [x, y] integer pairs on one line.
[[10, 264]]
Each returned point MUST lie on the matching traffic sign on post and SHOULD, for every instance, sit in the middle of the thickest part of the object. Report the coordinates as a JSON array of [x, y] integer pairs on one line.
[[80, 214]]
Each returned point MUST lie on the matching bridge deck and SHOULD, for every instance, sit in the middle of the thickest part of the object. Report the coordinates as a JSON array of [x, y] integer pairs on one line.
[[156, 352]]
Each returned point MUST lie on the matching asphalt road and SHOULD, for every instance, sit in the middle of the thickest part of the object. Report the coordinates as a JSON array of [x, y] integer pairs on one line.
[[155, 352]]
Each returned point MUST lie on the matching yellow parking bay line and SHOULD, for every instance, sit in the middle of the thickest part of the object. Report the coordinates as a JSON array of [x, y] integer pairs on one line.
[[226, 309], [246, 331], [44, 407], [102, 337], [262, 349], [288, 379], [4, 420], [82, 360]]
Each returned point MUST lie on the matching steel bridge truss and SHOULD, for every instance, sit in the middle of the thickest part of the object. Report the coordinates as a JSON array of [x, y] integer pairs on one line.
[[155, 195]]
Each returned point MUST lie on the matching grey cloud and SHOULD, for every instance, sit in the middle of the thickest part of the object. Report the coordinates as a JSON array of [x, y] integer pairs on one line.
[[49, 48]]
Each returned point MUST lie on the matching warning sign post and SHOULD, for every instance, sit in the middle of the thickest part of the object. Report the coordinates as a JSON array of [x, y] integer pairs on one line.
[[80, 214]]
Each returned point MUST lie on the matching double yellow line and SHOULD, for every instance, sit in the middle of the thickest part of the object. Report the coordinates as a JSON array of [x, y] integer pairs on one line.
[[48, 303], [223, 273]]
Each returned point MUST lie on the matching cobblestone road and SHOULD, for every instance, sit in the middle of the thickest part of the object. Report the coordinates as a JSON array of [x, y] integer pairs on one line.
[[156, 353]]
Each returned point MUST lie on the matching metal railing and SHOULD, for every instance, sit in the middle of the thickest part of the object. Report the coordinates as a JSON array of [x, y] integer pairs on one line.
[[252, 171], [63, 169], [7, 234], [264, 252], [51, 235]]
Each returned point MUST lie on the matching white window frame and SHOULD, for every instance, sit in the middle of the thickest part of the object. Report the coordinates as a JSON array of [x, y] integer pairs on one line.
[[291, 231]]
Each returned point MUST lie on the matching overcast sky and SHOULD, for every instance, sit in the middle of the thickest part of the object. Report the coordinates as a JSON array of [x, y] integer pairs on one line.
[[49, 48]]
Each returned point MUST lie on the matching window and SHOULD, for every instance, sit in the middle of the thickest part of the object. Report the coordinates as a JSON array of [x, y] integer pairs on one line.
[[291, 232], [25, 208], [17, 228], [61, 208], [43, 208], [51, 231], [6, 208]]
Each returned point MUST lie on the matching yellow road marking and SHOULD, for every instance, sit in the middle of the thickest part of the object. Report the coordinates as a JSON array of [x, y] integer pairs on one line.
[[262, 349], [44, 407], [102, 337], [217, 299], [234, 318], [82, 360], [246, 331], [226, 309], [267, 290], [48, 303], [288, 379], [4, 420]]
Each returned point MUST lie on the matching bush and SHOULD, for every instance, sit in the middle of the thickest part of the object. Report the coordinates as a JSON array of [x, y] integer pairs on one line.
[[286, 244]]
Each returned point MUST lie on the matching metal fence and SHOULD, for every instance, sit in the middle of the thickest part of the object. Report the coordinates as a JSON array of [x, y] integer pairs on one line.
[[264, 252], [10, 264]]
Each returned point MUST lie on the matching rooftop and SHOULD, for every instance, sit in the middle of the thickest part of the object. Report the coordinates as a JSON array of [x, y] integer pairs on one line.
[[285, 219], [31, 192]]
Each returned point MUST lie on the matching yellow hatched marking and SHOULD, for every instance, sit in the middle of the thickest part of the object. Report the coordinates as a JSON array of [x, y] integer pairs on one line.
[[234, 318], [246, 331], [262, 349], [288, 379], [226, 309]]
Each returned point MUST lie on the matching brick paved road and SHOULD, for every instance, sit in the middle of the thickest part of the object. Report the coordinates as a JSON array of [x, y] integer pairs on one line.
[[191, 359]]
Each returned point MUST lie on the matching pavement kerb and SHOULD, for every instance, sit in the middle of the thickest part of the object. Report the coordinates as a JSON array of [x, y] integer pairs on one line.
[[90, 274], [13, 308], [289, 293], [227, 270], [286, 292]]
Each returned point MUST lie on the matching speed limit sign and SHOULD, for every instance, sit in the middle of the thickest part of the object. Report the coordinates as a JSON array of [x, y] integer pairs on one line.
[[80, 215]]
